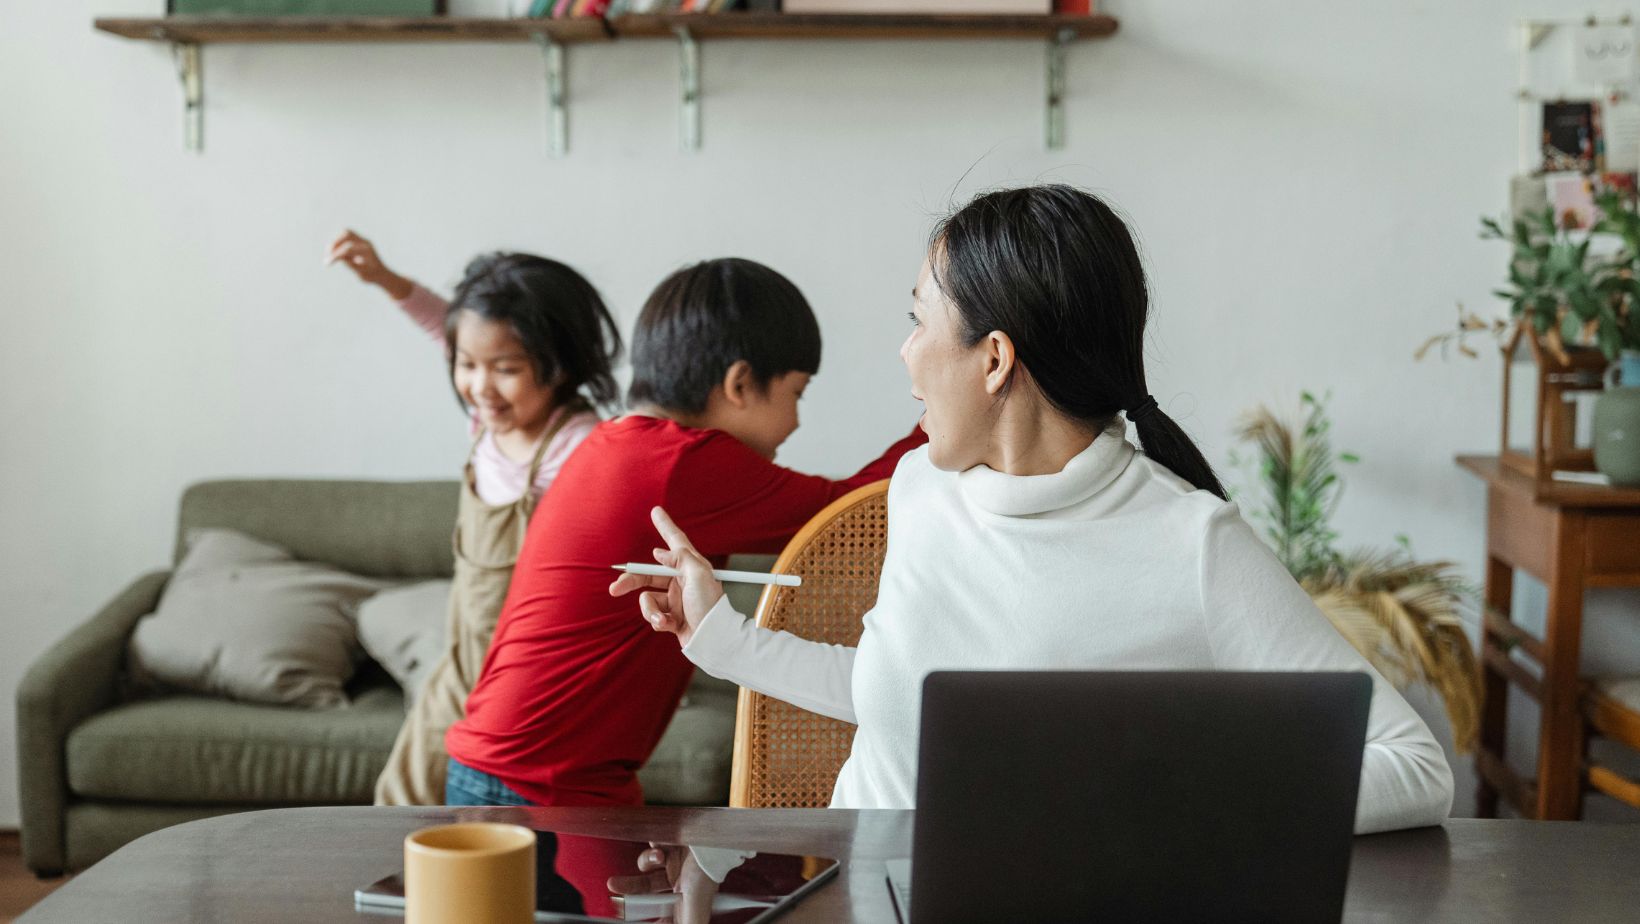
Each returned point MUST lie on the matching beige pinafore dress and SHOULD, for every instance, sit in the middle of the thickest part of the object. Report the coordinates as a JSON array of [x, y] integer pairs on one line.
[[486, 543]]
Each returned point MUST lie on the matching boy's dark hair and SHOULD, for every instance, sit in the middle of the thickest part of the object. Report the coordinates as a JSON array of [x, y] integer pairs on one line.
[[558, 316], [705, 318]]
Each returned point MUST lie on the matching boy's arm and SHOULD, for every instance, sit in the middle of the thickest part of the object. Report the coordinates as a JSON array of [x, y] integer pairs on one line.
[[730, 499], [883, 466]]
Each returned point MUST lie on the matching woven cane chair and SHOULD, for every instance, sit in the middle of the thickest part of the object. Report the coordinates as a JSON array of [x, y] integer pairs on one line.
[[786, 757]]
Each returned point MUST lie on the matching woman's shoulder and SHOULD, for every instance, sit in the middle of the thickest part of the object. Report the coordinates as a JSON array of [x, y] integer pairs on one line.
[[1203, 522], [914, 473], [1152, 490]]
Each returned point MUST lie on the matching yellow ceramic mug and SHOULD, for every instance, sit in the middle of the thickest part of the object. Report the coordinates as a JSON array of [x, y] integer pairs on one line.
[[472, 873]]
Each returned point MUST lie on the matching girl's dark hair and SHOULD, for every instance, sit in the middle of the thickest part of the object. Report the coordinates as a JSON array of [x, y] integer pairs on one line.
[[558, 316], [704, 318], [1057, 271]]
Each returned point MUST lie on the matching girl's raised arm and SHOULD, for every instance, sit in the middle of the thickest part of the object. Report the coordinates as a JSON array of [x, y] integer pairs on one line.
[[358, 254]]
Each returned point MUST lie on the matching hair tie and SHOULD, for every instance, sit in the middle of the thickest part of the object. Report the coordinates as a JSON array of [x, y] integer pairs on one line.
[[1140, 411]]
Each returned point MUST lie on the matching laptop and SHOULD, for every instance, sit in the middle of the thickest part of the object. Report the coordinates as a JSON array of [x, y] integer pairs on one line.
[[1134, 796]]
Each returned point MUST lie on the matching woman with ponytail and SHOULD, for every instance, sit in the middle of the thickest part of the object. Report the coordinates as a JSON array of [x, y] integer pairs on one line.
[[1030, 533]]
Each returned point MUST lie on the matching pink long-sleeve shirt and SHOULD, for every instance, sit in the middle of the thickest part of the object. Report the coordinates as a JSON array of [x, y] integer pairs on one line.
[[498, 478]]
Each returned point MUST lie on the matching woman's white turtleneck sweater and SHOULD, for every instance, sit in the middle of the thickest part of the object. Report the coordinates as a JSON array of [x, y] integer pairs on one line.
[[1113, 563]]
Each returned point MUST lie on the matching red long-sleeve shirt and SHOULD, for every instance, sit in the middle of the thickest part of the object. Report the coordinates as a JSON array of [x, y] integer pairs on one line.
[[577, 688]]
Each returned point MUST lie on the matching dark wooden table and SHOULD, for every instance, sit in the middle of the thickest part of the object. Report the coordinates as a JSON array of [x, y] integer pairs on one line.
[[1570, 537], [302, 865]]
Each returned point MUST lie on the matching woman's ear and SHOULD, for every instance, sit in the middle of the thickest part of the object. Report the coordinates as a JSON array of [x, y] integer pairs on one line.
[[1000, 360], [738, 384]]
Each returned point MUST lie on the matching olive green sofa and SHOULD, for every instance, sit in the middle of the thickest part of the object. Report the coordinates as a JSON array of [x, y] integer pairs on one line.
[[100, 766]]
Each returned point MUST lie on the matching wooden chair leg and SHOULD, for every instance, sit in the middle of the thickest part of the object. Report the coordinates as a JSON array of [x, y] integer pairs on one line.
[[1495, 689], [1559, 781], [1584, 735]]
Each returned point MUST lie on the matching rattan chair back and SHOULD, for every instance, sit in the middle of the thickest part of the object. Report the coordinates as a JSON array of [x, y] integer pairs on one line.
[[786, 757]]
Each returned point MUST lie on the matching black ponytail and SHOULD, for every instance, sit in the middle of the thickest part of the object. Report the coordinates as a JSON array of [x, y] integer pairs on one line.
[[1167, 443], [1057, 271]]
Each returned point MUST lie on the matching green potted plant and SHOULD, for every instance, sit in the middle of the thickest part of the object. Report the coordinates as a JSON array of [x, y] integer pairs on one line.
[[1574, 310], [1566, 294], [1405, 616]]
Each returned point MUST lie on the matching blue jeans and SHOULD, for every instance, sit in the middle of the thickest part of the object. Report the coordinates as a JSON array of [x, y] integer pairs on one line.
[[465, 786]]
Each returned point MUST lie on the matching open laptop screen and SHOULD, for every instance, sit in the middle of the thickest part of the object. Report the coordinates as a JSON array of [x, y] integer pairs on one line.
[[1129, 796]]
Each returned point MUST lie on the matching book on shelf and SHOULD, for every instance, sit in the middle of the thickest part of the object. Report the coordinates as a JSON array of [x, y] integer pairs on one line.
[[643, 7], [304, 8], [1033, 7], [709, 6]]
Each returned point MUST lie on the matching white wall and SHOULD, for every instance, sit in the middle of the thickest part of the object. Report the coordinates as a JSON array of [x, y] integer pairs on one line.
[[1305, 178]]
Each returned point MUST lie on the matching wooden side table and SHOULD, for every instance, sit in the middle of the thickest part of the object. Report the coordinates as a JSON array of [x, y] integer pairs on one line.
[[1571, 537]]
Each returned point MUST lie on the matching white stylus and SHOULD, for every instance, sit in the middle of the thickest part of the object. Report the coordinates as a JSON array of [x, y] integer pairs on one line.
[[728, 577]]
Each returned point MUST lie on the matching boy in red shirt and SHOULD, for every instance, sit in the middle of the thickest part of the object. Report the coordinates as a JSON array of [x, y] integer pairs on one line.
[[576, 690]]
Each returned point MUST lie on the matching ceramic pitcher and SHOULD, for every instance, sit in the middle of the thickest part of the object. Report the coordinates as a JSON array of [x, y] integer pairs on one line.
[[1617, 422]]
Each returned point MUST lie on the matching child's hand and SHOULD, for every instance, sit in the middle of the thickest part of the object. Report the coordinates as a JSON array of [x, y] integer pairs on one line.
[[359, 255], [675, 605]]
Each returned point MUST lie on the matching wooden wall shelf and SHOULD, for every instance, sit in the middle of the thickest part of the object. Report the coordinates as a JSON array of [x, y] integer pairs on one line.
[[862, 26], [211, 30], [187, 34], [237, 30]]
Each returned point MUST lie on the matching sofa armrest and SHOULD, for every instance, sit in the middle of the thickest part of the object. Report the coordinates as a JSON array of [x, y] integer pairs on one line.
[[72, 681]]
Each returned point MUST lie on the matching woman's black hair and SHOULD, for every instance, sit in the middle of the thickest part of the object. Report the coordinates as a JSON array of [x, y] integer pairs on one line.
[[558, 316], [704, 318], [1056, 270]]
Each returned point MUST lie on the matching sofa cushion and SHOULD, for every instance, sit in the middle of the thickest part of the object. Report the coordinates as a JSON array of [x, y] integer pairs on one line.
[[691, 763], [404, 630], [378, 528], [242, 618], [194, 750]]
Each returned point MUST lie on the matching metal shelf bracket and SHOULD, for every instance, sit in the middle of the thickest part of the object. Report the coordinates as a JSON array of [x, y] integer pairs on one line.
[[557, 92], [191, 72], [1055, 115], [689, 82]]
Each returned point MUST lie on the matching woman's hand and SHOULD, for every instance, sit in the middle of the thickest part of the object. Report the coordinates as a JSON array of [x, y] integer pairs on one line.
[[359, 255], [675, 605], [669, 868]]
